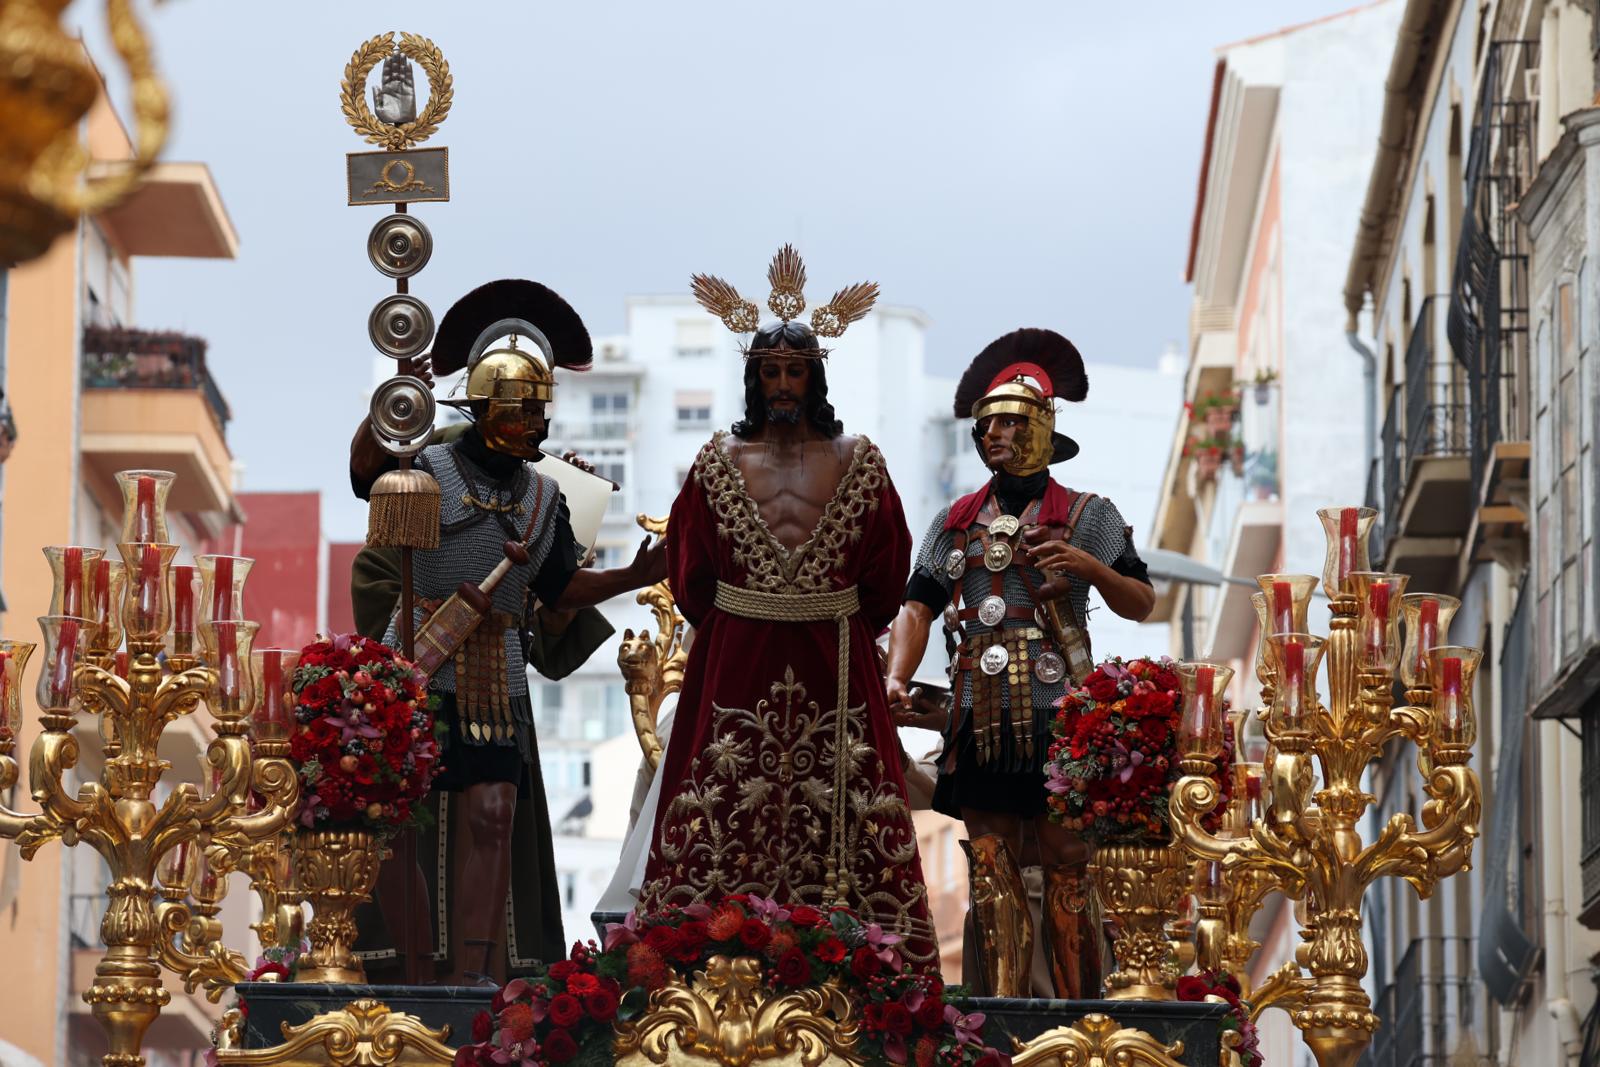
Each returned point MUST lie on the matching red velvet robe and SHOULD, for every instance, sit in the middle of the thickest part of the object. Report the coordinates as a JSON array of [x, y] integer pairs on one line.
[[747, 788]]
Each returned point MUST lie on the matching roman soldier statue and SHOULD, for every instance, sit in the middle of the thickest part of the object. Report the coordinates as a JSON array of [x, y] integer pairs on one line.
[[1010, 568], [495, 505]]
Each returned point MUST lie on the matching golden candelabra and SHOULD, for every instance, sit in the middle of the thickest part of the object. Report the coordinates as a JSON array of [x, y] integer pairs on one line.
[[137, 694], [1306, 844], [47, 85]]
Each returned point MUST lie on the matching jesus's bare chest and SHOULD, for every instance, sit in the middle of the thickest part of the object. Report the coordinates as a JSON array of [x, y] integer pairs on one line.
[[791, 488]]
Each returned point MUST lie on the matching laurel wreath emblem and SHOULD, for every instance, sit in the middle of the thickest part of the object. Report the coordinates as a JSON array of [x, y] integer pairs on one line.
[[353, 92]]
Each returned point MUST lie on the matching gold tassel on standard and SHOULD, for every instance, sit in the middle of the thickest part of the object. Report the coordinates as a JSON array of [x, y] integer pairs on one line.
[[404, 511]]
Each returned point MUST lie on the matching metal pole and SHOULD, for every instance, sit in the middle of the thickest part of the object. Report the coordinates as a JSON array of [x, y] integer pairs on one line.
[[1188, 622]]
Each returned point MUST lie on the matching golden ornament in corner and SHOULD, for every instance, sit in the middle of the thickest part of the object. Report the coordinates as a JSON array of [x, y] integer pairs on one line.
[[47, 85]]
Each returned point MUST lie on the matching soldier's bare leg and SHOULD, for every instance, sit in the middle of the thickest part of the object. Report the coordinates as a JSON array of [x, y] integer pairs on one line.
[[482, 879]]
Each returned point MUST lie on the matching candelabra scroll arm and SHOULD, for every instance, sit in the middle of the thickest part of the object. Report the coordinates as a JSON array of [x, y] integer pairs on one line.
[[274, 779], [1444, 845], [1413, 723], [229, 755], [197, 961], [1286, 989], [1193, 798], [55, 751], [13, 824]]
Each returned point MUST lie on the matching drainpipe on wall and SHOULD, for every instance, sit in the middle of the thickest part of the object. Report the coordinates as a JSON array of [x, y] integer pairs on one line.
[[1369, 391], [1558, 1001]]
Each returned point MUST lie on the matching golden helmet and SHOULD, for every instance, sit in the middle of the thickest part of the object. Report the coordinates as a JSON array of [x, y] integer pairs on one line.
[[507, 373], [1023, 374]]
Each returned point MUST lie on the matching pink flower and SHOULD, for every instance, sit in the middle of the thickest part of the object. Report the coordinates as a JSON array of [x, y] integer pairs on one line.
[[770, 910], [968, 1028], [881, 943], [623, 933]]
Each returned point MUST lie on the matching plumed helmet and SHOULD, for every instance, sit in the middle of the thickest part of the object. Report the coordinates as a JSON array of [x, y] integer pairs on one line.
[[1023, 374], [533, 330]]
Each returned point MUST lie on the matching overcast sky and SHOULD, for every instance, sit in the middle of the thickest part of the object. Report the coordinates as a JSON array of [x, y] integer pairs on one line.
[[1027, 163]]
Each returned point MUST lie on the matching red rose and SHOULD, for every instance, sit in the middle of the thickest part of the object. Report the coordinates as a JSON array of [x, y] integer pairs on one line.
[[582, 984], [466, 1056], [930, 1016], [754, 934], [482, 1027], [872, 1016], [565, 1010], [1193, 987], [1100, 687], [896, 1019], [1154, 731], [806, 915], [664, 939], [601, 1005], [793, 968], [831, 951], [559, 1046], [864, 964]]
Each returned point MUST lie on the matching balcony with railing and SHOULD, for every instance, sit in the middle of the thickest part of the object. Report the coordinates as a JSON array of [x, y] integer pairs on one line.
[[150, 401], [1425, 469], [1489, 295], [1433, 1011]]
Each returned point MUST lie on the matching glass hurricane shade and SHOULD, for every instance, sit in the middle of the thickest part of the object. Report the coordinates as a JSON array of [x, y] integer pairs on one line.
[[71, 573], [1348, 530], [1203, 718], [1294, 700], [13, 661], [144, 506], [147, 607], [222, 581], [66, 644], [1427, 618], [1453, 670], [274, 668], [227, 644], [1379, 595]]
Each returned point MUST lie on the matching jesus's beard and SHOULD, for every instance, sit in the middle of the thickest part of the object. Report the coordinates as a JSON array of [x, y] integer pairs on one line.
[[789, 416]]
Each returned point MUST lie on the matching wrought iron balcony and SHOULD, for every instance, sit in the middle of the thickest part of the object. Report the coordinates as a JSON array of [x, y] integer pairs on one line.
[[1432, 1002], [1489, 293], [115, 358]]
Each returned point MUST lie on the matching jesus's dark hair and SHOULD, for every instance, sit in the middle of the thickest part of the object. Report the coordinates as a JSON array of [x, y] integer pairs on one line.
[[796, 337]]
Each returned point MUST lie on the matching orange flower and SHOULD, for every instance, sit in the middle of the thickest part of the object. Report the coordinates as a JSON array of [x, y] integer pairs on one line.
[[724, 923], [782, 941], [517, 1021]]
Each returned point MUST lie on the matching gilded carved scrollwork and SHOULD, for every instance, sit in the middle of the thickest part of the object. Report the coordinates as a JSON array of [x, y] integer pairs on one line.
[[726, 1017], [365, 1033], [652, 665], [1097, 1041]]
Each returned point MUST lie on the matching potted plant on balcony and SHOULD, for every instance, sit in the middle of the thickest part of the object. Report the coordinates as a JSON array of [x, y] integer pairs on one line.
[[1219, 411], [1262, 384], [1207, 453]]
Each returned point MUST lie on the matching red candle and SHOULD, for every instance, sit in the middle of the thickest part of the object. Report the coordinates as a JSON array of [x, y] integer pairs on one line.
[[1427, 631], [1378, 607], [66, 659], [1294, 666], [183, 600], [1204, 679], [5, 693], [222, 589], [1347, 543], [228, 665], [273, 716], [119, 665], [1282, 608], [72, 582], [144, 510], [149, 585], [102, 592], [1450, 676]]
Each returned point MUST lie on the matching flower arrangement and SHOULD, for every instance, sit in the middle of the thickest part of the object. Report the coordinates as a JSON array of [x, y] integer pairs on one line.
[[904, 1014], [1225, 987], [364, 736], [1111, 768]]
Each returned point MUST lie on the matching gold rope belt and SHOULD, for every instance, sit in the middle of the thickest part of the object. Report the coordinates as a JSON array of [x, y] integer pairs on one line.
[[838, 604]]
